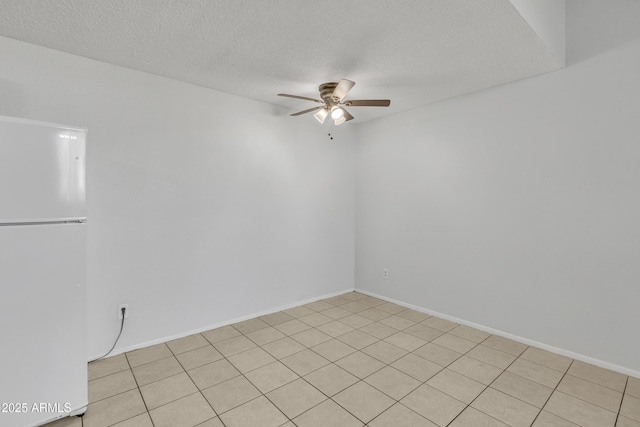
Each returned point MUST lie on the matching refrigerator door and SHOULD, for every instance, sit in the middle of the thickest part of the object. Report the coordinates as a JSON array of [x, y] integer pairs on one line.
[[42, 323], [41, 172]]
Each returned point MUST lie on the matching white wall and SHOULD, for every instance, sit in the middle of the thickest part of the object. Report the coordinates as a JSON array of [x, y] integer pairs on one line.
[[517, 208], [202, 206]]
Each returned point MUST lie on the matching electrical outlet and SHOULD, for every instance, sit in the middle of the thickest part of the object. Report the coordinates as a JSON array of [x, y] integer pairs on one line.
[[126, 311], [385, 273]]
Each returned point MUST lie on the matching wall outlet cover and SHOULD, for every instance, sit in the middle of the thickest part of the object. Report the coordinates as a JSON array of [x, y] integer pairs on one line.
[[126, 311]]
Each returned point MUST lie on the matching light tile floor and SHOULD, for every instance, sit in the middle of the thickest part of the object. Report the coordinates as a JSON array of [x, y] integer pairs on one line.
[[353, 360]]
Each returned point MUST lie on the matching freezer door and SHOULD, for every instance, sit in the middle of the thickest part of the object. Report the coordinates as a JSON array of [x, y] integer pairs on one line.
[[42, 172], [43, 373]]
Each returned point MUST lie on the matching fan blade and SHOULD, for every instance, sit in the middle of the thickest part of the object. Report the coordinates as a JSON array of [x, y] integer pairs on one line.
[[306, 111], [342, 89], [301, 97], [347, 116], [368, 103]]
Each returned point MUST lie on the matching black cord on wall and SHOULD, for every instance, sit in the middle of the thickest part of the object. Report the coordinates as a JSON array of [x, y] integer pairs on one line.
[[114, 344]]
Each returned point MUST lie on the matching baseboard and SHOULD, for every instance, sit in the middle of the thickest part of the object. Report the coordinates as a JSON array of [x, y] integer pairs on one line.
[[221, 324], [560, 351]]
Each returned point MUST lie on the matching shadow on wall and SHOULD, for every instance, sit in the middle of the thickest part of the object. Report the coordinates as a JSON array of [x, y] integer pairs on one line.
[[594, 26], [13, 91]]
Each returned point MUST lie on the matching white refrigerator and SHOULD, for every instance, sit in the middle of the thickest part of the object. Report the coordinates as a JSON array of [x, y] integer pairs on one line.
[[43, 342]]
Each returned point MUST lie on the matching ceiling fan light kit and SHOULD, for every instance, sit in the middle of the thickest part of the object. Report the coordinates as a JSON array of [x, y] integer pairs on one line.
[[339, 121], [321, 115], [332, 95]]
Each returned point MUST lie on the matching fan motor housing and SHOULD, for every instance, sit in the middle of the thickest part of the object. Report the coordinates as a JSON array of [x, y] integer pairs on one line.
[[326, 90]]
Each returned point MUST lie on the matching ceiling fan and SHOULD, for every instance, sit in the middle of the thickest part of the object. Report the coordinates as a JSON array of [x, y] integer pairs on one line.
[[332, 95]]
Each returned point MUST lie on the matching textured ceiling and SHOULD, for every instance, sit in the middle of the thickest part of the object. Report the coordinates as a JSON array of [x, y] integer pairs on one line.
[[412, 52]]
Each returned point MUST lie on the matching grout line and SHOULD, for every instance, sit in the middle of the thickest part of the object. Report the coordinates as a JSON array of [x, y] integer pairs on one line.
[[190, 379], [590, 382], [554, 389], [304, 379], [489, 385], [334, 363], [483, 390], [624, 392], [396, 401], [279, 360], [139, 392], [228, 361], [601, 385], [552, 392]]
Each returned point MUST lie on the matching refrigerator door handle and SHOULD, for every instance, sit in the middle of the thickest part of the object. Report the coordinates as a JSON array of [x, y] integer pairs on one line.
[[48, 222]]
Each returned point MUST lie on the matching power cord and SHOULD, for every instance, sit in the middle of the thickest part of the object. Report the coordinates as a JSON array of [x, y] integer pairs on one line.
[[123, 309]]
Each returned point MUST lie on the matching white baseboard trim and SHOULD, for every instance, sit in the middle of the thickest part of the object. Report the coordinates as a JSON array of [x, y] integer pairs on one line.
[[120, 350], [560, 351]]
